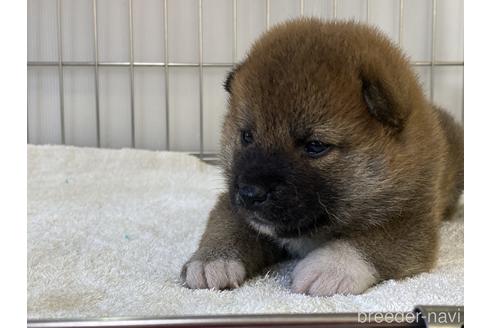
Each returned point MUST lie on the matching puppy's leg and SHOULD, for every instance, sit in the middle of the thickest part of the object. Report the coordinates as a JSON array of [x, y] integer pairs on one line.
[[229, 252], [351, 265], [335, 268]]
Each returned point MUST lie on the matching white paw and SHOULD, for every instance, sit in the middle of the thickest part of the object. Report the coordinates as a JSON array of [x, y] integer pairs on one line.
[[336, 268], [218, 274]]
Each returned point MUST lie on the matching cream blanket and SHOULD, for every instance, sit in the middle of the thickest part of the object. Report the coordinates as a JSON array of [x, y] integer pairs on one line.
[[108, 231]]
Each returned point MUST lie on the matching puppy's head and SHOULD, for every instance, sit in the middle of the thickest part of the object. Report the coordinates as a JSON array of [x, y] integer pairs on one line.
[[317, 112]]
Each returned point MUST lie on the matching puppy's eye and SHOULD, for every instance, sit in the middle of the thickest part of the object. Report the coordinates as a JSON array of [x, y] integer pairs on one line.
[[246, 137], [316, 148]]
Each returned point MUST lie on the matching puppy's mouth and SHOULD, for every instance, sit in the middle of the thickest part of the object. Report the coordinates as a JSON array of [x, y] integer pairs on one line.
[[255, 218], [260, 224], [258, 219], [278, 229]]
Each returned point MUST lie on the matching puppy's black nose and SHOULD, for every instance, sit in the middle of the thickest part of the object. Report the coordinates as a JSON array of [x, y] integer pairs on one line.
[[251, 195]]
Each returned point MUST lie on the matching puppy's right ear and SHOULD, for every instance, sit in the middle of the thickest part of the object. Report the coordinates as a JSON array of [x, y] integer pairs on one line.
[[230, 77], [387, 95], [382, 105]]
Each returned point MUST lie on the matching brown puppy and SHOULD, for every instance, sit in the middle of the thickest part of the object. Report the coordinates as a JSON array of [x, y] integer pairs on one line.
[[332, 155]]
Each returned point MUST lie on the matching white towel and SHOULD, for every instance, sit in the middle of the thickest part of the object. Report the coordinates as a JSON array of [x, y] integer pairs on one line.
[[108, 232]]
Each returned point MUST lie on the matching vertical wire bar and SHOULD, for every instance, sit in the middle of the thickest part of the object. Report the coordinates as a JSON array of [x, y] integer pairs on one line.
[[96, 73], [463, 96], [367, 11], [60, 71], [334, 8], [27, 117], [267, 14], [433, 48], [400, 25], [302, 7], [132, 72], [200, 41], [234, 23], [166, 71]]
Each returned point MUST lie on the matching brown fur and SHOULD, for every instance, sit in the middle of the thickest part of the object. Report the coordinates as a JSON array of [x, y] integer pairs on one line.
[[395, 169]]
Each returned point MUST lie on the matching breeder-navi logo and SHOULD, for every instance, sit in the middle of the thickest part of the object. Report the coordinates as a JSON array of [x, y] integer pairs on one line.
[[387, 317], [433, 315]]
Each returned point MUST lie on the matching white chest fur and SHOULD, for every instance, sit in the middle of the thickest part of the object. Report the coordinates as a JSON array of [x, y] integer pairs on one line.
[[299, 247]]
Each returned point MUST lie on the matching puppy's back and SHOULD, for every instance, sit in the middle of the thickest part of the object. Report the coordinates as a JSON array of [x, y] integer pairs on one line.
[[453, 184]]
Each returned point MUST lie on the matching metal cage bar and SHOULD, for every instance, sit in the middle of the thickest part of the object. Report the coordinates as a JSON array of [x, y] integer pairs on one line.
[[200, 72], [234, 26], [166, 72], [400, 24], [463, 99], [433, 48], [164, 64], [60, 70], [420, 316], [96, 72], [132, 72], [231, 321]]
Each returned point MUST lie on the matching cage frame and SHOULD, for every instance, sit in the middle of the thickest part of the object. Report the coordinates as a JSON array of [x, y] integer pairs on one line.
[[166, 64]]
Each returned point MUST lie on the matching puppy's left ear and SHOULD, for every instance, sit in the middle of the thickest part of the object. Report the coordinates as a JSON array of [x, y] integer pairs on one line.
[[230, 77], [387, 95]]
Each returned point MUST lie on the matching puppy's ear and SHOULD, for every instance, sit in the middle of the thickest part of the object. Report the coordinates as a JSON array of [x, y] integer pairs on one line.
[[228, 81], [230, 77], [386, 97]]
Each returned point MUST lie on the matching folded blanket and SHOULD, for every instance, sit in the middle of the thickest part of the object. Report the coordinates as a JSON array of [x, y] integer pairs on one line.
[[108, 232]]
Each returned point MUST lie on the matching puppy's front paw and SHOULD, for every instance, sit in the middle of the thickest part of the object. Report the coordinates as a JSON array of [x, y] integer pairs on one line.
[[217, 274], [337, 268]]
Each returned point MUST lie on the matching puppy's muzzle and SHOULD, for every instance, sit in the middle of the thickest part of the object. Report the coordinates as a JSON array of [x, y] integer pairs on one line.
[[258, 178]]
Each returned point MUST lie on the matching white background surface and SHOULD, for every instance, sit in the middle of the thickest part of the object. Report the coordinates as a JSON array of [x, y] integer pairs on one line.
[[109, 230]]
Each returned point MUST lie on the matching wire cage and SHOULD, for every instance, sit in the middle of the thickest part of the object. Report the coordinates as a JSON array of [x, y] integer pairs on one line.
[[161, 88]]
